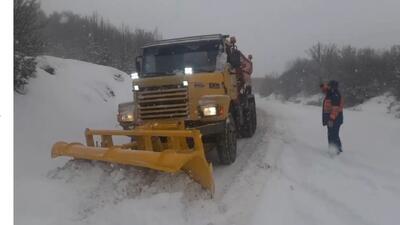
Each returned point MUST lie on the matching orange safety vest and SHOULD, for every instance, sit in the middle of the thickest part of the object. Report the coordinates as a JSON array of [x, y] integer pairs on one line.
[[333, 110]]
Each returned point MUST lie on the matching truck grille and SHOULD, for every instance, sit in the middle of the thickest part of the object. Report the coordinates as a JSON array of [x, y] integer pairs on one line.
[[169, 101]]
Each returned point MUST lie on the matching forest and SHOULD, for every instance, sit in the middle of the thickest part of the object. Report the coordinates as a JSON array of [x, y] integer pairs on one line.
[[68, 35], [362, 73]]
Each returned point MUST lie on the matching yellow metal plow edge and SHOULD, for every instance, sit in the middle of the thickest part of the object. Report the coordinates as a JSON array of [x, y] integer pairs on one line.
[[175, 156]]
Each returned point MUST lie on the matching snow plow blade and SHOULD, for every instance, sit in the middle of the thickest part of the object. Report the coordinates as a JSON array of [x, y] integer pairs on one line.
[[164, 150]]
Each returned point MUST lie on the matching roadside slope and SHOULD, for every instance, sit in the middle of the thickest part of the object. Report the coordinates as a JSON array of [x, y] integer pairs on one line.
[[58, 107]]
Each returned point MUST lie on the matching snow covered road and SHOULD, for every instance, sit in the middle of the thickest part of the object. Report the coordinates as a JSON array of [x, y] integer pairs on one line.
[[361, 186], [282, 175]]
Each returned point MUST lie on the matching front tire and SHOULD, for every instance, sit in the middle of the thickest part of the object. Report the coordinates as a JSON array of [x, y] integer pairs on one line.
[[226, 142]]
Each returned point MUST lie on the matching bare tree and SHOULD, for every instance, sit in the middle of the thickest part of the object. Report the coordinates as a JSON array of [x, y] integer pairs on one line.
[[362, 73]]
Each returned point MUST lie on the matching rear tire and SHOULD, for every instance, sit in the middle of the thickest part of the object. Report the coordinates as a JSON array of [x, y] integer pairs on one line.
[[254, 117], [250, 124], [226, 142]]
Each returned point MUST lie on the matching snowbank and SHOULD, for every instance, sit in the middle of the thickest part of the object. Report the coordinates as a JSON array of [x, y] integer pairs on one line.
[[380, 105], [61, 106], [58, 107]]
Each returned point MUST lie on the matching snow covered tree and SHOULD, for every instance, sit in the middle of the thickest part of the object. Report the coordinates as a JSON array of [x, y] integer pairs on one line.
[[27, 41], [92, 39]]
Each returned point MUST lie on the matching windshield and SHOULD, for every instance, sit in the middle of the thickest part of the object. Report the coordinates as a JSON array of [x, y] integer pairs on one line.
[[173, 59]]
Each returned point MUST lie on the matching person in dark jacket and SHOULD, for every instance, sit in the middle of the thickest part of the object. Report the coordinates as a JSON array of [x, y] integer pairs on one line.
[[332, 113]]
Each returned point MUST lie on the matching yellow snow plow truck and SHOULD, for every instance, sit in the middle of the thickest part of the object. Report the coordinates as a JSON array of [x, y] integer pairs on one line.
[[189, 96]]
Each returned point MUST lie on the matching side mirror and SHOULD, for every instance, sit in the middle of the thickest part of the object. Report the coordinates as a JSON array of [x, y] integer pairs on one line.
[[138, 63]]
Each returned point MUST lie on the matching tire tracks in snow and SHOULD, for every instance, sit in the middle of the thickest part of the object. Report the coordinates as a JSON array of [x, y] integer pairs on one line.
[[336, 206], [292, 144], [225, 176], [238, 186]]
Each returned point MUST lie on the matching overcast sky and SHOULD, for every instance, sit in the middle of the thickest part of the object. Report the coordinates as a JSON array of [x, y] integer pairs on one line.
[[274, 31]]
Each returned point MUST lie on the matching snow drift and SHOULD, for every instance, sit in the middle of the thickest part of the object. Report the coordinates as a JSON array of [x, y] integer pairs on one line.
[[59, 107]]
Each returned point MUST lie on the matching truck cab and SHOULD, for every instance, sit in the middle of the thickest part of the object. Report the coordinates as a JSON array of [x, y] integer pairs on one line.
[[192, 83]]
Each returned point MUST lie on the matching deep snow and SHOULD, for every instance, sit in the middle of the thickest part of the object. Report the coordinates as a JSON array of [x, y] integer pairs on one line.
[[58, 107], [283, 175], [361, 186]]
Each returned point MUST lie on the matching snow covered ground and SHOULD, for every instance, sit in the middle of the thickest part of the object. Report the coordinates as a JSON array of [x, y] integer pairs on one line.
[[57, 107], [283, 175], [306, 186]]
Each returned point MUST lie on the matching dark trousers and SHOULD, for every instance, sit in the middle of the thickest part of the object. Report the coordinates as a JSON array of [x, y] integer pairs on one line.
[[333, 137]]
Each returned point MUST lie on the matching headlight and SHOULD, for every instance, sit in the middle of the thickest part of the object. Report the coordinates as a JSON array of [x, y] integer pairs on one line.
[[136, 87], [127, 118], [209, 110], [126, 112], [188, 70], [135, 76]]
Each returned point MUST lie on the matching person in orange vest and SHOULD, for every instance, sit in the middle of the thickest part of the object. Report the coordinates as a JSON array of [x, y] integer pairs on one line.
[[332, 113]]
